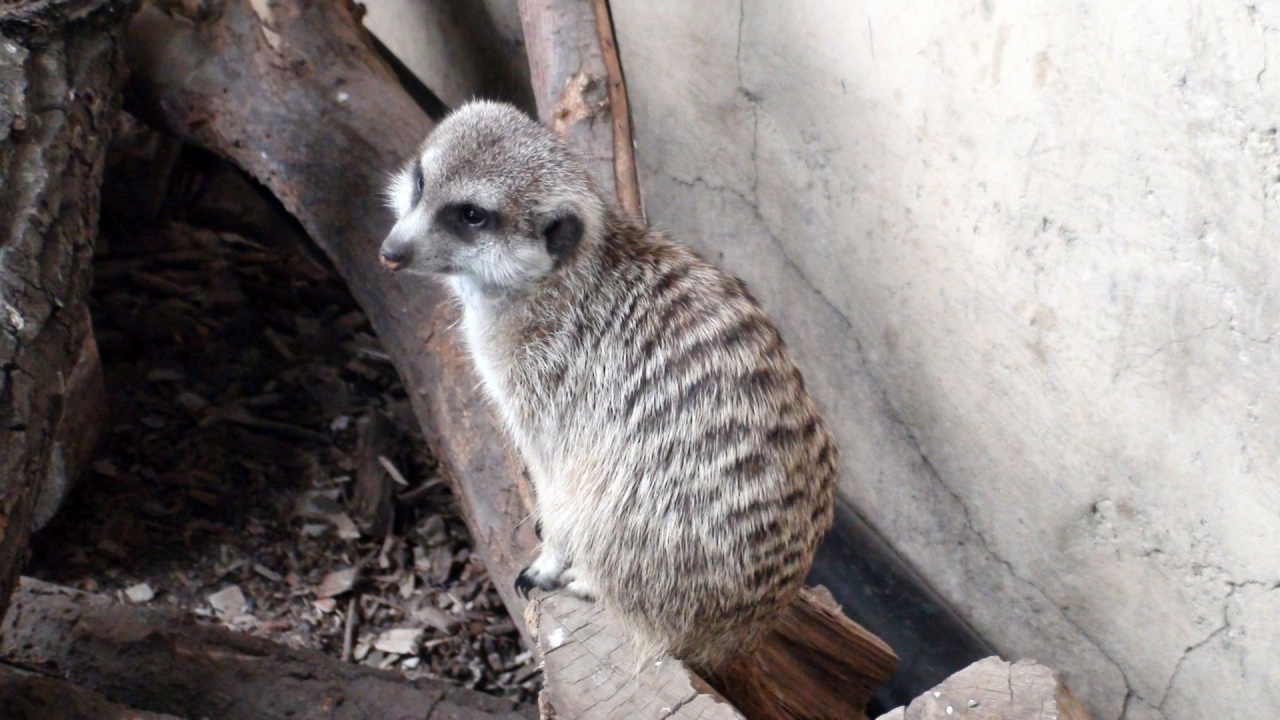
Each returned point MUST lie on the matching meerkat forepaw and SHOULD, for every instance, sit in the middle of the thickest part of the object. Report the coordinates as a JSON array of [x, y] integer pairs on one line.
[[545, 573], [582, 590]]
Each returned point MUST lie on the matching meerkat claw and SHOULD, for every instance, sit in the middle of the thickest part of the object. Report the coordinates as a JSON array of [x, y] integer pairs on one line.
[[524, 583]]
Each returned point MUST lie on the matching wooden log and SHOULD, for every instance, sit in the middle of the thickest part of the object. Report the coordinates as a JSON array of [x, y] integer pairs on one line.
[[60, 70], [590, 671], [170, 664], [26, 696], [578, 84], [328, 121], [325, 153], [79, 423], [992, 689]]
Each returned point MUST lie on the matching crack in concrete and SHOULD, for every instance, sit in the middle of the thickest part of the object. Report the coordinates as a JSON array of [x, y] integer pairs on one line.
[[909, 434], [1164, 347], [1224, 627]]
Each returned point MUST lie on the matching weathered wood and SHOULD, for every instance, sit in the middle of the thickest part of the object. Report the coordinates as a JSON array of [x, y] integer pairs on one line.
[[79, 423], [812, 666], [993, 689], [60, 70], [25, 696], [171, 664], [822, 664], [578, 84], [591, 672], [327, 123]]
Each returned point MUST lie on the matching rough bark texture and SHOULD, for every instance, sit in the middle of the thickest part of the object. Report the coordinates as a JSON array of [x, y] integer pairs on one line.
[[169, 664], [26, 696], [577, 81], [60, 69], [993, 689]]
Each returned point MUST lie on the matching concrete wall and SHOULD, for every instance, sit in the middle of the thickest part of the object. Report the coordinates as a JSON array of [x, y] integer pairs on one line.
[[1028, 256]]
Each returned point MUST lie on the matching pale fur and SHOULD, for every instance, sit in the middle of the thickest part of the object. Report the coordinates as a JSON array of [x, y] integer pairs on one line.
[[682, 474]]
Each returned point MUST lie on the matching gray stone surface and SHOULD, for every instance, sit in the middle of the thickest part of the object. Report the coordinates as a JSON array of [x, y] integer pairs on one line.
[[1028, 257]]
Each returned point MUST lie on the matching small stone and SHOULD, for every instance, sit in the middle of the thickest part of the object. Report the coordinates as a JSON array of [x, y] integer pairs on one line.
[[345, 526], [974, 703], [949, 710], [140, 593]]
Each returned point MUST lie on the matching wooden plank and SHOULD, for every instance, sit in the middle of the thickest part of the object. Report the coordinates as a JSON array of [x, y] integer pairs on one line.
[[992, 689]]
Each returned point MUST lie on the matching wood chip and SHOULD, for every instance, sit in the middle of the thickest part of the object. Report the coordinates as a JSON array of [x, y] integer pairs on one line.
[[228, 602], [337, 582], [140, 593], [399, 641]]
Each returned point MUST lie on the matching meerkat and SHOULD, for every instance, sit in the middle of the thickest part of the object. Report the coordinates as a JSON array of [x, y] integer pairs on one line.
[[682, 474]]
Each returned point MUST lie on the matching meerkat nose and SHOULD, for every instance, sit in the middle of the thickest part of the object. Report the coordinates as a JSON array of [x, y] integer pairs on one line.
[[394, 259]]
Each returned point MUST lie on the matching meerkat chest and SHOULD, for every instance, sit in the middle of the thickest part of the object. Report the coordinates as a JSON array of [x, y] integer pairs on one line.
[[507, 365]]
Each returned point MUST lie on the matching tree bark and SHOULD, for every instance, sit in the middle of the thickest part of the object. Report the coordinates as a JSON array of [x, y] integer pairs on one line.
[[171, 664], [578, 84], [60, 69], [35, 697]]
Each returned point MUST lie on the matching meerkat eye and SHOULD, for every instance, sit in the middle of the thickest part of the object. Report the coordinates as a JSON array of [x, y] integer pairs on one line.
[[474, 215], [418, 182]]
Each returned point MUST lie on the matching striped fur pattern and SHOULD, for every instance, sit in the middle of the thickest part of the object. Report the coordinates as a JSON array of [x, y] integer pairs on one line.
[[683, 475]]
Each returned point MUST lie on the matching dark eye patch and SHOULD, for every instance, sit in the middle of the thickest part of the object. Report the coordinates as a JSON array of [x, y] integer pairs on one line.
[[466, 220]]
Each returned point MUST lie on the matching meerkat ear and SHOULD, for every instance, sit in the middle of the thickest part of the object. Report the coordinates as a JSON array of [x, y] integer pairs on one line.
[[563, 234]]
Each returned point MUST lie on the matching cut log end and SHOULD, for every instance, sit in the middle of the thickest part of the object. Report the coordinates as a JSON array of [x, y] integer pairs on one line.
[[816, 664], [993, 689]]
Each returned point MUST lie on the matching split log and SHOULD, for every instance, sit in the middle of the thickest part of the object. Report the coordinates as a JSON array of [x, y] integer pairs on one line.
[[589, 671], [170, 664], [60, 68], [993, 689], [26, 696], [326, 124]]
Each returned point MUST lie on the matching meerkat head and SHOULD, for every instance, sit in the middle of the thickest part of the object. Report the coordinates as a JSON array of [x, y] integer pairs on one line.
[[491, 197]]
